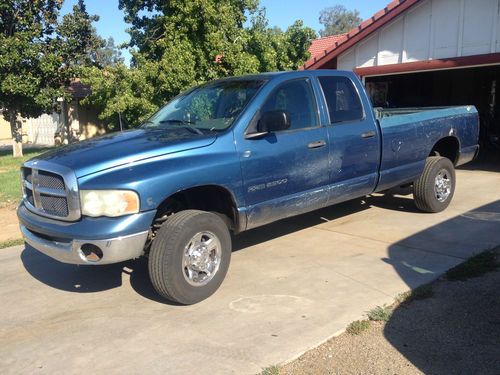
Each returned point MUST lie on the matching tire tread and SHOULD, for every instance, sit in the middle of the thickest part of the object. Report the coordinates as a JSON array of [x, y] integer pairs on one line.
[[423, 188], [163, 251]]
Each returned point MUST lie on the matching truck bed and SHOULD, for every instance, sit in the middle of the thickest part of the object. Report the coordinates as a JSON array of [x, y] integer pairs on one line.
[[381, 112], [409, 133]]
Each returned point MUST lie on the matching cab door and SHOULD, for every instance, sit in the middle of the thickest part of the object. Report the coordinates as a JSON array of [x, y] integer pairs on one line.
[[285, 172], [354, 138]]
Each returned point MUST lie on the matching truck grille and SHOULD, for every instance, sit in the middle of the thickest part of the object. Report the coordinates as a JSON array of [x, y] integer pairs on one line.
[[56, 206], [46, 193]]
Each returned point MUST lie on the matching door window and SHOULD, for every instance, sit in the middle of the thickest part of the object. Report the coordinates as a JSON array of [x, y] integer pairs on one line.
[[297, 99], [342, 99]]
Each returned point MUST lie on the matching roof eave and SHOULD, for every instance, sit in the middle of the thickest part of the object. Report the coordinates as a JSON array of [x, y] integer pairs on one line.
[[366, 28]]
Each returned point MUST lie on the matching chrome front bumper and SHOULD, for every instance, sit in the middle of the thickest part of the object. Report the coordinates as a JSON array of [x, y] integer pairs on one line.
[[114, 250]]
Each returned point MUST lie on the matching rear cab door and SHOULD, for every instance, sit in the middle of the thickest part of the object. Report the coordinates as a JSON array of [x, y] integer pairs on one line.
[[285, 172], [354, 136]]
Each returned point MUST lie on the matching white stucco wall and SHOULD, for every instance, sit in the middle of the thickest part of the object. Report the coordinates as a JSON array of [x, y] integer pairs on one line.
[[433, 29]]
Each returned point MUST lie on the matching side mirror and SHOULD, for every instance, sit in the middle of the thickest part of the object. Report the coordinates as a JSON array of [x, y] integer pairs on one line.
[[273, 121]]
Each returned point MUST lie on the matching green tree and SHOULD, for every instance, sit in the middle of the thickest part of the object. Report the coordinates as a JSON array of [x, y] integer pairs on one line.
[[109, 54], [77, 41], [120, 91], [182, 43], [338, 20], [29, 64]]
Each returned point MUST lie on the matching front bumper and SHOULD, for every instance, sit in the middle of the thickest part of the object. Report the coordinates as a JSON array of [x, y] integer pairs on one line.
[[113, 250], [117, 239]]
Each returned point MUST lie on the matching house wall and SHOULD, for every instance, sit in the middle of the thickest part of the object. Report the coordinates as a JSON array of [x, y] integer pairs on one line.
[[433, 29], [4, 129], [50, 129], [88, 123]]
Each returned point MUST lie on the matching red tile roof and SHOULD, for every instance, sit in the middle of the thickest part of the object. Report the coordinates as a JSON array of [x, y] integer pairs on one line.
[[392, 10], [319, 46]]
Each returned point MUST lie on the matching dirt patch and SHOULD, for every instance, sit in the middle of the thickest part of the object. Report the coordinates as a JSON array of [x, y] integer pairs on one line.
[[9, 224], [455, 331]]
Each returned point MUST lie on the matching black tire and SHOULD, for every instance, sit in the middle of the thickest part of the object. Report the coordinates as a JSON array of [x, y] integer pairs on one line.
[[424, 194], [166, 269]]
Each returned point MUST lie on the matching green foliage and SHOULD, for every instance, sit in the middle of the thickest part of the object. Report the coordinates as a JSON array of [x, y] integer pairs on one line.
[[29, 63], [10, 243], [38, 56], [10, 183], [271, 370], [118, 89], [380, 314], [338, 20], [108, 54], [357, 327], [421, 292], [77, 41], [179, 44]]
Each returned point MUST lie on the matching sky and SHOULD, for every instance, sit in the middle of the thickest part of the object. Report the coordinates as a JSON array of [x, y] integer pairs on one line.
[[279, 13]]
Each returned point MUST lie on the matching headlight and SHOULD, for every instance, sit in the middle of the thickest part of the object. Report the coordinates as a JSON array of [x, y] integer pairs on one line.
[[109, 202]]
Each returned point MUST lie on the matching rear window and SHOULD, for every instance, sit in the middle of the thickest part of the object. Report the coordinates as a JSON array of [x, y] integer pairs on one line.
[[342, 99]]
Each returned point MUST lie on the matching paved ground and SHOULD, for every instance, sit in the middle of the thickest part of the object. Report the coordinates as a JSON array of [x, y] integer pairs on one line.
[[453, 329], [291, 286]]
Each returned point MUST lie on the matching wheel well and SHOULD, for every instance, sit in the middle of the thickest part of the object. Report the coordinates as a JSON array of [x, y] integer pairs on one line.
[[210, 198], [447, 147]]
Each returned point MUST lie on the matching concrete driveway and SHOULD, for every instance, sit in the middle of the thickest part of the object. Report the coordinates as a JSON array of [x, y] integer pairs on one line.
[[291, 285]]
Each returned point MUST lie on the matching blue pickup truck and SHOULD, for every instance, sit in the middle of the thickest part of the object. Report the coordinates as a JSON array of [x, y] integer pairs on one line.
[[228, 156]]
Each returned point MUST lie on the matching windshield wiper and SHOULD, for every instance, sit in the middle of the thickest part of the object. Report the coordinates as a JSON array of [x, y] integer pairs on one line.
[[187, 124]]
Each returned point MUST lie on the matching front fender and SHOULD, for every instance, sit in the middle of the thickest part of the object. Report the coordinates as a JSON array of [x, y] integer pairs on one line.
[[157, 178]]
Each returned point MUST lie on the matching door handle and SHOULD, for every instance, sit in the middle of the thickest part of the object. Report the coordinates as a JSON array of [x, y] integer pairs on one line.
[[316, 144], [370, 134]]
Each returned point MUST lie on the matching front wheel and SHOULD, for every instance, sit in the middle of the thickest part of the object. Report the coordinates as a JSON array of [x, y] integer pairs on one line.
[[190, 256], [434, 189]]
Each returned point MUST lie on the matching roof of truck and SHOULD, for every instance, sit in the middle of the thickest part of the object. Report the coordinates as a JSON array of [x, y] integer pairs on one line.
[[270, 75]]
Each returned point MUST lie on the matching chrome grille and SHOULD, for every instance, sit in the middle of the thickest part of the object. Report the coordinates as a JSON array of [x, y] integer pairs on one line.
[[51, 193], [57, 206], [50, 180]]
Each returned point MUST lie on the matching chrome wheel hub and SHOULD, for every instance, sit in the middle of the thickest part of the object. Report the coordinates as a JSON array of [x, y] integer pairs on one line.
[[201, 260], [442, 185]]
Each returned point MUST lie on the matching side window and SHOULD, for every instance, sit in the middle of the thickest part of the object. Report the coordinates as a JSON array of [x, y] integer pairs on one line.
[[342, 99], [297, 99]]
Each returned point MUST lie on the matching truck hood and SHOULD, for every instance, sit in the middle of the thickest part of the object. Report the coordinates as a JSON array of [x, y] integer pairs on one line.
[[121, 148]]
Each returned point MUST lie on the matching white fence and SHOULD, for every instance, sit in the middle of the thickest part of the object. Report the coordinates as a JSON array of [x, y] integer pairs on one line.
[[42, 130]]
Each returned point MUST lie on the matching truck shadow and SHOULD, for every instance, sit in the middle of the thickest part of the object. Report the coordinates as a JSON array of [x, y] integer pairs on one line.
[[488, 160], [68, 277], [91, 279], [456, 330], [86, 279], [395, 200]]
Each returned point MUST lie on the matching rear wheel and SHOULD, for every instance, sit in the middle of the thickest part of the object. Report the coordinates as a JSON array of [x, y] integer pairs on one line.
[[190, 256], [434, 189]]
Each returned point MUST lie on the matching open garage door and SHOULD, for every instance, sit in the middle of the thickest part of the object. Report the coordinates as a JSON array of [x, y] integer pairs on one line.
[[479, 86]]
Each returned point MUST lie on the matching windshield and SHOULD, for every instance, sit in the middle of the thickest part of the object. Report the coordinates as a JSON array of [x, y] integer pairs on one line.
[[211, 107]]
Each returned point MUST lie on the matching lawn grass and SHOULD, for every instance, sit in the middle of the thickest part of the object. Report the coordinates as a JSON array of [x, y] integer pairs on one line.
[[9, 243], [10, 182]]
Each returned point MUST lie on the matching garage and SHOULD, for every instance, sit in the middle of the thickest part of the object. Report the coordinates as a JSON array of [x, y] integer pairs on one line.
[[427, 53]]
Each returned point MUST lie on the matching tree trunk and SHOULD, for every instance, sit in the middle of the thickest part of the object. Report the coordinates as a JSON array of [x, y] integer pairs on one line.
[[17, 136]]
